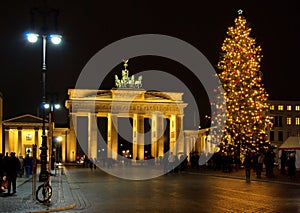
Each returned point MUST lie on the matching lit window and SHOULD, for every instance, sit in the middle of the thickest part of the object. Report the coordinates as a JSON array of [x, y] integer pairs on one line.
[[297, 108], [280, 107], [272, 107], [289, 108], [288, 120], [28, 137], [297, 121]]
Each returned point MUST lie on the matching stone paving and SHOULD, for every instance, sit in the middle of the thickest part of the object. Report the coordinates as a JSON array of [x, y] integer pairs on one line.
[[24, 201], [240, 174], [66, 196]]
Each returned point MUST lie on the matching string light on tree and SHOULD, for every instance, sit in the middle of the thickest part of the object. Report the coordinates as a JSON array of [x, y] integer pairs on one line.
[[246, 98]]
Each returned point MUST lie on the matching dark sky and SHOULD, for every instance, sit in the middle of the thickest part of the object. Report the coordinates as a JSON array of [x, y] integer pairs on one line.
[[88, 26]]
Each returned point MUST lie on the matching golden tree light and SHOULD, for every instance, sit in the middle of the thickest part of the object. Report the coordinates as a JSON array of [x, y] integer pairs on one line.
[[246, 98]]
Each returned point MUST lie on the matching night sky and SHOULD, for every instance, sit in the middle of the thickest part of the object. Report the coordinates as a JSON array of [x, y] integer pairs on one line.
[[88, 26]]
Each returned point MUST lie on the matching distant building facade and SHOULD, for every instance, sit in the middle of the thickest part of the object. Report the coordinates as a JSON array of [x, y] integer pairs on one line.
[[22, 132], [286, 120], [1, 118]]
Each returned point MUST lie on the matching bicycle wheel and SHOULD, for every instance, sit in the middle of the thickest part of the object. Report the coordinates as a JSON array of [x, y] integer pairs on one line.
[[44, 193]]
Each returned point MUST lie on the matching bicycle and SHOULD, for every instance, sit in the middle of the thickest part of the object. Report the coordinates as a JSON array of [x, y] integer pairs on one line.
[[44, 192]]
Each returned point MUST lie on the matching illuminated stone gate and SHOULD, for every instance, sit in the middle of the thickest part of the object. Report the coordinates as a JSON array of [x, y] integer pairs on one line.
[[134, 103], [127, 100]]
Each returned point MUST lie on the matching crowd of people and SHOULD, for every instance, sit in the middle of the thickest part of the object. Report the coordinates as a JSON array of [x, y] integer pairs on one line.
[[9, 167], [12, 167], [257, 161]]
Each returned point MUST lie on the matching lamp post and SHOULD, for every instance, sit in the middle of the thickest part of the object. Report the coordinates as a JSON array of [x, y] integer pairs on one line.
[[55, 39], [58, 148], [51, 106]]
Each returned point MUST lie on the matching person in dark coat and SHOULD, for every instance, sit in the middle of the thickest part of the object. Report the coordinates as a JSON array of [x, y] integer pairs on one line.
[[291, 163], [247, 165], [1, 171], [27, 165], [283, 160], [12, 168]]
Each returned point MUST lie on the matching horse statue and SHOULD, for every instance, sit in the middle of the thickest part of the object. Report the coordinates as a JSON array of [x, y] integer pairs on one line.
[[128, 81], [138, 82], [117, 82]]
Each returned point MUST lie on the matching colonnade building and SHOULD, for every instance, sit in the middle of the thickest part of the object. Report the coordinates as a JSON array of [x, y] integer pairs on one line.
[[152, 121], [126, 120]]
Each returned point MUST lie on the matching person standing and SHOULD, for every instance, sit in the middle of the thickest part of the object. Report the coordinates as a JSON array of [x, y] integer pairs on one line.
[[260, 162], [1, 171], [21, 172], [283, 160], [12, 169], [27, 164], [247, 165], [171, 161], [291, 163]]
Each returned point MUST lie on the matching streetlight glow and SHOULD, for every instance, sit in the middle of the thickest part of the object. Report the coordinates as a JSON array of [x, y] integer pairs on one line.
[[46, 106], [57, 106], [32, 37], [55, 39], [59, 139]]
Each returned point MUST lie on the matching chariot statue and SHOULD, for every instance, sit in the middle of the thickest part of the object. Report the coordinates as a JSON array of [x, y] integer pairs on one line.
[[128, 81]]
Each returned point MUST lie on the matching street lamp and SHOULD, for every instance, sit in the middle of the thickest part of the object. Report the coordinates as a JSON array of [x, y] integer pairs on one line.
[[58, 145], [55, 39], [51, 107]]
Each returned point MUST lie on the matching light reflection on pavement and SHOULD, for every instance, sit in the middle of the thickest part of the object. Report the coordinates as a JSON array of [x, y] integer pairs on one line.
[[97, 191]]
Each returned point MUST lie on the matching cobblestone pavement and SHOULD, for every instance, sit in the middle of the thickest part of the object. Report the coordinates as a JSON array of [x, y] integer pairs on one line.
[[195, 191], [24, 201], [192, 191], [240, 174]]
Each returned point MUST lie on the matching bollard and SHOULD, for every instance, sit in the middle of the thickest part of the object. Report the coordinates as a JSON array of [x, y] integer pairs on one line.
[[56, 170]]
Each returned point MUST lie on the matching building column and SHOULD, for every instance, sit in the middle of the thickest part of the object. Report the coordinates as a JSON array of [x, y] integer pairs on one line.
[[19, 149], [202, 146], [157, 145], [112, 136], [72, 141], [7, 147], [173, 134], [134, 138], [180, 146], [36, 136], [154, 135], [138, 137], [92, 137], [64, 148]]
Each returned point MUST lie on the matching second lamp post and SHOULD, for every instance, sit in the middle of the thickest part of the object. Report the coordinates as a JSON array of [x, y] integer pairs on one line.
[[55, 39]]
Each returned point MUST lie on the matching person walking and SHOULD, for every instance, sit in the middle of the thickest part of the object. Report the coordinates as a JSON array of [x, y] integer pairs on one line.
[[171, 161], [1, 171], [91, 160], [247, 165], [283, 159], [21, 172], [291, 166], [27, 164], [12, 169], [259, 168]]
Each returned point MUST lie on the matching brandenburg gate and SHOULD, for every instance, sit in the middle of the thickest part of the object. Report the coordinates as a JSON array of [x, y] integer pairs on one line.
[[128, 99]]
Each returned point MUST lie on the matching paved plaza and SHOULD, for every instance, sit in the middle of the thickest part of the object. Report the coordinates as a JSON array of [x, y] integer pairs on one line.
[[77, 189]]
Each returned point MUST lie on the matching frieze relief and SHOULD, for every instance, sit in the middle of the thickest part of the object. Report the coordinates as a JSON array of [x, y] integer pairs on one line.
[[128, 108]]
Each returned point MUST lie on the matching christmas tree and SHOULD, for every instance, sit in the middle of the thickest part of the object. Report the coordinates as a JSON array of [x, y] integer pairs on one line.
[[246, 99]]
